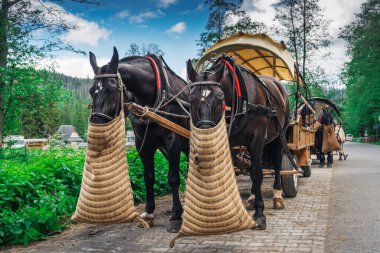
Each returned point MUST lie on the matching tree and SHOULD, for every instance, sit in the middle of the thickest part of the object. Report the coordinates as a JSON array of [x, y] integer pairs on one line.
[[245, 25], [362, 72], [151, 48], [135, 50], [220, 13], [19, 45], [31, 103], [304, 27]]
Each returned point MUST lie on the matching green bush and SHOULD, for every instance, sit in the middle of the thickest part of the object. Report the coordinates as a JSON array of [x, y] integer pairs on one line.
[[38, 193]]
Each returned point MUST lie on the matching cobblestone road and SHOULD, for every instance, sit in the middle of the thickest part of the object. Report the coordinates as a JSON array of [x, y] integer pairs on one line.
[[300, 227]]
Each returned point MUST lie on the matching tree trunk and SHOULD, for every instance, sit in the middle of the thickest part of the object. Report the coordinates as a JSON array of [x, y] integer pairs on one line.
[[3, 61], [304, 41], [294, 37]]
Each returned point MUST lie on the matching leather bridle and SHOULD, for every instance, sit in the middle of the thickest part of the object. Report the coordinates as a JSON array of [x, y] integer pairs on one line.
[[98, 90], [203, 101]]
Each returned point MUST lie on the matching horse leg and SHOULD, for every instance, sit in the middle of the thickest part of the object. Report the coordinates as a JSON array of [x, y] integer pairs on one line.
[[329, 160], [147, 158], [276, 149], [256, 150], [321, 157], [174, 151], [251, 198]]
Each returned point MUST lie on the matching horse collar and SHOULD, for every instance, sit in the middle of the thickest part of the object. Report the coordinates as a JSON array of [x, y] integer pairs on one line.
[[161, 83]]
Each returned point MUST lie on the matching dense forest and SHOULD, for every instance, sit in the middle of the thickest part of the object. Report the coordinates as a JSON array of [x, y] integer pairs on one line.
[[362, 72], [42, 101]]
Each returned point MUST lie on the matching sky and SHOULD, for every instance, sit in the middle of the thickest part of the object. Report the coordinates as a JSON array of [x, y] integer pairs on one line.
[[175, 26]]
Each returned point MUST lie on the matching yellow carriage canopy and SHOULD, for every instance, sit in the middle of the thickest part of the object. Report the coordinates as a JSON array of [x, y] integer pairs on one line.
[[258, 52]]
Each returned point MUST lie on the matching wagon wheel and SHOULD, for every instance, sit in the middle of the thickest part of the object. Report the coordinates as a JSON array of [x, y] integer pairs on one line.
[[289, 182]]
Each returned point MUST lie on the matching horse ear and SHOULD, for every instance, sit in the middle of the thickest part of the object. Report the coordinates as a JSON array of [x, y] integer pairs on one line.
[[94, 64], [218, 74], [114, 64], [191, 73]]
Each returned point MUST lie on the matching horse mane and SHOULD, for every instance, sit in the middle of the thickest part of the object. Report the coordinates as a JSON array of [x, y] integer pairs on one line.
[[131, 58]]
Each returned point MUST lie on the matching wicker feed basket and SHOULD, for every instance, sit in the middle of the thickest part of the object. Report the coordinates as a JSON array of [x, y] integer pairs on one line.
[[212, 200], [106, 193], [330, 142]]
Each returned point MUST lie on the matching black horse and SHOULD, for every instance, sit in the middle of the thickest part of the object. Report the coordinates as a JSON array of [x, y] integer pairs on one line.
[[325, 118], [139, 76], [260, 134]]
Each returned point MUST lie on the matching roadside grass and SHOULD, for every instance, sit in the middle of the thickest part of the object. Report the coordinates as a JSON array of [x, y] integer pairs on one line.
[[39, 190]]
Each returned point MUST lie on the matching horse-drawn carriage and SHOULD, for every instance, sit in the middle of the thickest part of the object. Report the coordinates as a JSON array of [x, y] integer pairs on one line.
[[263, 56], [323, 107], [242, 84]]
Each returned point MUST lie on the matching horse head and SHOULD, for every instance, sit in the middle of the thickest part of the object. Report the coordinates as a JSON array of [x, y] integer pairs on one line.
[[206, 96], [106, 90], [327, 118]]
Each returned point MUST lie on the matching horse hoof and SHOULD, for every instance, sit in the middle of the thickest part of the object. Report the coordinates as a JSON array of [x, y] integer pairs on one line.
[[345, 157], [329, 165], [278, 203], [148, 218], [261, 223], [321, 165], [174, 226]]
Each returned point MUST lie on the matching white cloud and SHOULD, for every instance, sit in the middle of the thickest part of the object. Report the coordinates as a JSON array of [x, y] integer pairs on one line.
[[183, 73], [86, 32], [165, 3], [199, 7], [260, 11], [123, 14], [143, 16], [75, 66], [177, 28], [340, 12]]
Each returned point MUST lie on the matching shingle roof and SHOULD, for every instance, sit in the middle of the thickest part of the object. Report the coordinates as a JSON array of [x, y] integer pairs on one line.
[[66, 131]]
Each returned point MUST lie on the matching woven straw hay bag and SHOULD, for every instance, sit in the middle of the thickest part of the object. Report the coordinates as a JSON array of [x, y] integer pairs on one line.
[[330, 142], [106, 193], [212, 200]]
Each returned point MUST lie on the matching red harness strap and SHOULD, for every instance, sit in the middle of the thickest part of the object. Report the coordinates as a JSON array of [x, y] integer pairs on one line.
[[157, 73], [237, 83]]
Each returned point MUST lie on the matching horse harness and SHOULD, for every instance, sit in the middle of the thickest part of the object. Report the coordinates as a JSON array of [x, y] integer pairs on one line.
[[239, 116], [203, 100], [164, 91], [99, 88], [243, 107]]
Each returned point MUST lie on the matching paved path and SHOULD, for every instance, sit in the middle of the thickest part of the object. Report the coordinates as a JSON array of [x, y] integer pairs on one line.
[[300, 227], [354, 208]]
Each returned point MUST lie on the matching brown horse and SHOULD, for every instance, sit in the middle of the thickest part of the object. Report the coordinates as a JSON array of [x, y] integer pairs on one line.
[[267, 116]]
